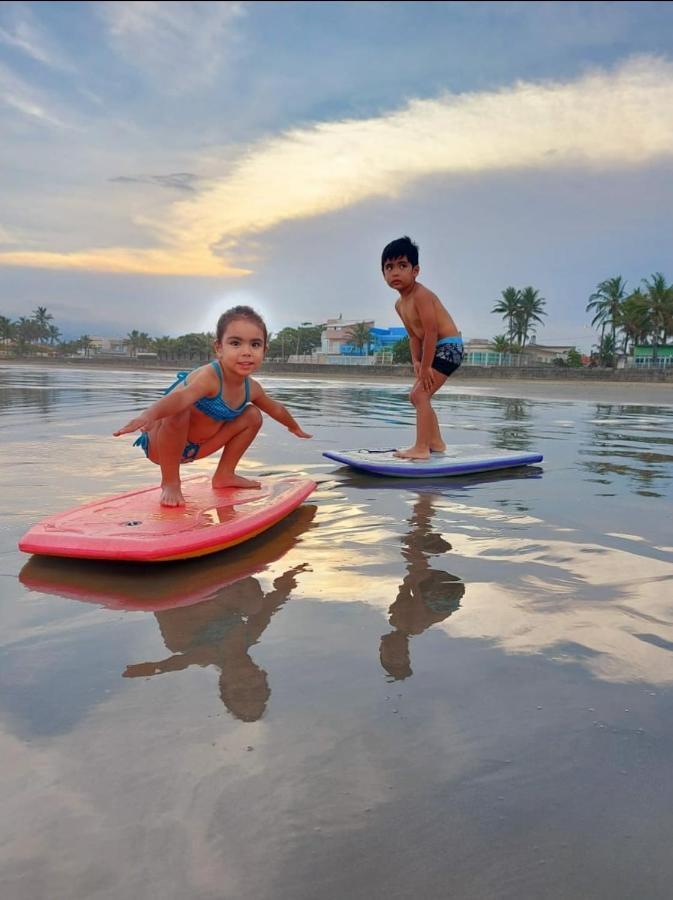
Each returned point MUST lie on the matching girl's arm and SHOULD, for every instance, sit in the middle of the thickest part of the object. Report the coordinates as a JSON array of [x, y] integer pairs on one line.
[[275, 409], [201, 383]]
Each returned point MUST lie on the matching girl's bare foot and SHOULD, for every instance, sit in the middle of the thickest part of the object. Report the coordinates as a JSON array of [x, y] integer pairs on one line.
[[437, 448], [231, 480], [413, 453], [171, 495]]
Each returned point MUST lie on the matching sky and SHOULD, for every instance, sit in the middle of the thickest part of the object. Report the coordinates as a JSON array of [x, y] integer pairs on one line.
[[161, 162]]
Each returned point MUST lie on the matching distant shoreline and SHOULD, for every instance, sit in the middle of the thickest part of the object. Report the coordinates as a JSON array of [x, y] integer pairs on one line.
[[601, 385], [375, 373]]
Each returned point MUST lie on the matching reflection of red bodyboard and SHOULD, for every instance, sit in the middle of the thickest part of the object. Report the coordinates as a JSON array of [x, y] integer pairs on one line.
[[119, 585], [136, 527]]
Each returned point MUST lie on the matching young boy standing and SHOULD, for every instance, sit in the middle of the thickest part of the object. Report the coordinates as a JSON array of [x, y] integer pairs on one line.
[[436, 343]]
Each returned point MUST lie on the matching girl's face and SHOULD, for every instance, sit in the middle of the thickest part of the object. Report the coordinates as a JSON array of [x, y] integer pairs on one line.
[[241, 349]]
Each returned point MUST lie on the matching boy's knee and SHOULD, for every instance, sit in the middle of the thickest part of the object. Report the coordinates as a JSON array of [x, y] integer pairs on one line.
[[418, 395]]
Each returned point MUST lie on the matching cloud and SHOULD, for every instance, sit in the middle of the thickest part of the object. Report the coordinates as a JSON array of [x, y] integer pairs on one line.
[[20, 97], [196, 261], [24, 34], [180, 181], [182, 45], [604, 120]]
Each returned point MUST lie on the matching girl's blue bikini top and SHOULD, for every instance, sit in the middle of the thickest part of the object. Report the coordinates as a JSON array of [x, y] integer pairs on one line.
[[215, 407]]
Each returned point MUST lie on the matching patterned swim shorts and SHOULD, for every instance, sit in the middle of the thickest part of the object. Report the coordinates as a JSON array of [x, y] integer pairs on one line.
[[448, 357]]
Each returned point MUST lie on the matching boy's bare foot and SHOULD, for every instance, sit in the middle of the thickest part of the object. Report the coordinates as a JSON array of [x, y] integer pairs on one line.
[[437, 448], [412, 453], [171, 495], [225, 481]]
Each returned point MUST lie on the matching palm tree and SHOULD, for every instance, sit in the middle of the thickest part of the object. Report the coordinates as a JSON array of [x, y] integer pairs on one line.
[[42, 319], [607, 302], [359, 335], [508, 307], [660, 301], [501, 343], [530, 310], [165, 346], [54, 334], [144, 341], [195, 344], [133, 341], [402, 351], [6, 329], [26, 331], [85, 343], [635, 319]]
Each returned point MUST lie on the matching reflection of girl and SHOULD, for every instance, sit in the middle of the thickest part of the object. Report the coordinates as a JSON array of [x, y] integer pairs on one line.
[[426, 595], [219, 633]]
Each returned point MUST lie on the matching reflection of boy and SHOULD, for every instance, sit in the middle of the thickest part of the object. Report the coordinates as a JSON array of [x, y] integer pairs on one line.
[[421, 602], [426, 596], [219, 633], [435, 342]]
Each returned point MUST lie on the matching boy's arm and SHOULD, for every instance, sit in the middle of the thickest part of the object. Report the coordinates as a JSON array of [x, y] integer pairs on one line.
[[275, 409], [416, 352], [415, 346], [428, 317], [200, 385]]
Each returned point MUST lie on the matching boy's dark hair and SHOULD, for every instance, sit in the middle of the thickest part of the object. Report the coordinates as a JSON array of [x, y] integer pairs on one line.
[[240, 312], [403, 246]]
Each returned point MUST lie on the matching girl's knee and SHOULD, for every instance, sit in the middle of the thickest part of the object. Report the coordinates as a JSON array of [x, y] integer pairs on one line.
[[252, 417], [177, 423]]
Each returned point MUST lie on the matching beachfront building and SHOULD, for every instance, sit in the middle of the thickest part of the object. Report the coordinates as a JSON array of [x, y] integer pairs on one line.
[[481, 352], [535, 354], [105, 346], [644, 356], [384, 340], [338, 348], [336, 337]]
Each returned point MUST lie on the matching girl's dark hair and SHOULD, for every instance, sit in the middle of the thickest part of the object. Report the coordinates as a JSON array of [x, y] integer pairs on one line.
[[403, 246], [240, 312]]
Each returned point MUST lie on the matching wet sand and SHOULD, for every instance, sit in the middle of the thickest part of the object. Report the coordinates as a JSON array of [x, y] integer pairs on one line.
[[455, 688]]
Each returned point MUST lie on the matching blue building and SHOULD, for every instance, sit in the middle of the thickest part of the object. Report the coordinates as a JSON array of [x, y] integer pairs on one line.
[[381, 340], [386, 338]]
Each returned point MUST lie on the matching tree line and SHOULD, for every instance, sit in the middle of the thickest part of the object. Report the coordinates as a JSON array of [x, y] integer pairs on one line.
[[623, 319], [626, 318]]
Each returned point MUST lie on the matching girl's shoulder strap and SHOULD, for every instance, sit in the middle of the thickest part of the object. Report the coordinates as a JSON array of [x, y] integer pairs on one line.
[[218, 368], [180, 377], [247, 390]]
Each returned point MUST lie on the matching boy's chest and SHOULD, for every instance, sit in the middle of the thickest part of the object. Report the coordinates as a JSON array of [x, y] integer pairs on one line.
[[406, 309]]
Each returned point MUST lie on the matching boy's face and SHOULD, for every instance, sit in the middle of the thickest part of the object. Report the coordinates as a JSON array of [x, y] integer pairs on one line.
[[399, 273]]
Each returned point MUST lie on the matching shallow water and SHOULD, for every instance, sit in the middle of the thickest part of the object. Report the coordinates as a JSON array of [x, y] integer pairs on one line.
[[461, 688]]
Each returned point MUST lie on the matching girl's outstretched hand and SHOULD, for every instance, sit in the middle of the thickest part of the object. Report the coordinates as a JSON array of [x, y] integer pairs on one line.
[[141, 423], [298, 432]]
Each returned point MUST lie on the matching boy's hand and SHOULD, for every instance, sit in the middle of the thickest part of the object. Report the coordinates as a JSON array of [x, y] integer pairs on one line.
[[426, 379], [141, 423], [297, 432]]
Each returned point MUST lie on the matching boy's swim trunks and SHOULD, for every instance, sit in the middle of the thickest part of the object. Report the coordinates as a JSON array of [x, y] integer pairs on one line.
[[448, 355]]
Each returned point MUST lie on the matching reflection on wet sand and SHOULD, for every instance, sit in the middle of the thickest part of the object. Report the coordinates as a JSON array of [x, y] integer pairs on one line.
[[426, 595], [162, 586], [210, 611], [219, 632], [630, 442]]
